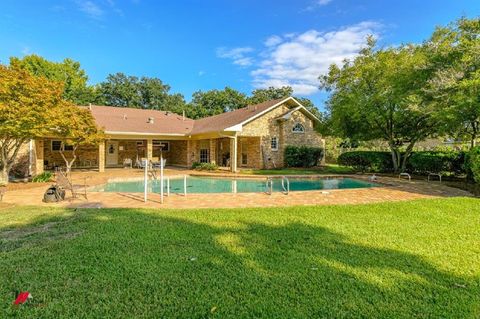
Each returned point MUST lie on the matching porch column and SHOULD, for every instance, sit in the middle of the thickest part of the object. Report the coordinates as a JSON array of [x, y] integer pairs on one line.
[[213, 151], [149, 149], [39, 157], [101, 156], [233, 154]]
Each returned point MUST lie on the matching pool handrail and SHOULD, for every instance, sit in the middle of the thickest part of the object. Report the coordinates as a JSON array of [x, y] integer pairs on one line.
[[269, 185], [285, 185]]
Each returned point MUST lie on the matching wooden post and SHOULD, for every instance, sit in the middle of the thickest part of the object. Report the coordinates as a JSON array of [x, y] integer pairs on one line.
[[101, 156], [233, 154], [39, 157], [213, 151], [149, 150]]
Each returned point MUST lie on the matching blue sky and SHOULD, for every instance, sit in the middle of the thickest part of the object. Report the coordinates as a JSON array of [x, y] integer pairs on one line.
[[202, 45]]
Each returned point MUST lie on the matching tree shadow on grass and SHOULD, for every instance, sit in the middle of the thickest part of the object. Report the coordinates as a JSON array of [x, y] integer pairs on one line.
[[134, 263]]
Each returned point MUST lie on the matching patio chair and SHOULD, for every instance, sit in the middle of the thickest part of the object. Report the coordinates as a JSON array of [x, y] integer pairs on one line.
[[127, 163], [64, 182], [140, 163]]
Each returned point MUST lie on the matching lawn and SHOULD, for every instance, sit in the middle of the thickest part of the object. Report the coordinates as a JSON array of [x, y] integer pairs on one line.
[[418, 259], [324, 170]]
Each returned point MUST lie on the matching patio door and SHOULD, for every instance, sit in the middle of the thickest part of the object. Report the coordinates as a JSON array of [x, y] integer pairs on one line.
[[112, 153]]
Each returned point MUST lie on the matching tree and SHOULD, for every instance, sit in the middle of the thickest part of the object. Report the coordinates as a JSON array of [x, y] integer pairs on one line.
[[379, 95], [215, 102], [76, 126], [145, 93], [456, 84], [27, 104], [68, 72]]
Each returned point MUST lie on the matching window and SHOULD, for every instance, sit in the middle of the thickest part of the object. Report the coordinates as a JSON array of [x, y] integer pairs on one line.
[[139, 143], [244, 159], [274, 143], [57, 146], [204, 155], [165, 146], [298, 128]]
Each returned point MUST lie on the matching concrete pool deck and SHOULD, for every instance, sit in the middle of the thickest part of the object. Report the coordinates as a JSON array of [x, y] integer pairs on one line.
[[396, 190]]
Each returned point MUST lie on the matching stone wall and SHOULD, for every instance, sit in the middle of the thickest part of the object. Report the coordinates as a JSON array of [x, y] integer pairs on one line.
[[251, 147], [87, 156], [267, 126]]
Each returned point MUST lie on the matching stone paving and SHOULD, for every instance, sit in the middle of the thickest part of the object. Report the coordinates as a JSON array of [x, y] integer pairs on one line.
[[394, 190]]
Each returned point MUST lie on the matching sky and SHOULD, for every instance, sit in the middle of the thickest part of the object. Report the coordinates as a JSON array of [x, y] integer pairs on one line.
[[203, 45]]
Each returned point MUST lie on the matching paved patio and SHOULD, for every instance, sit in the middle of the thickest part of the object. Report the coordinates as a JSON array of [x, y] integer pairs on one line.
[[395, 190]]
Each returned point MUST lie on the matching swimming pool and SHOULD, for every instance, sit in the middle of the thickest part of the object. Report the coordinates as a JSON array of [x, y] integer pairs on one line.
[[229, 185]]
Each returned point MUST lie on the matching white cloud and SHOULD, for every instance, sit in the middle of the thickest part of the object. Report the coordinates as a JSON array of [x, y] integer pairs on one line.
[[273, 40], [297, 61], [316, 4], [90, 9], [237, 55]]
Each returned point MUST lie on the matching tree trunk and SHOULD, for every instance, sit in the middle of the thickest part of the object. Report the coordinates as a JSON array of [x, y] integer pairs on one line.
[[395, 157], [4, 175]]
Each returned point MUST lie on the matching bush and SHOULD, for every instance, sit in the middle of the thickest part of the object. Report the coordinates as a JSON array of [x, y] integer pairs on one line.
[[437, 162], [472, 165], [302, 156], [204, 166], [367, 161], [20, 168], [42, 178]]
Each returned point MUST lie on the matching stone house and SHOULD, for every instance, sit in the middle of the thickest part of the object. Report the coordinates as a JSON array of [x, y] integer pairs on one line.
[[251, 137]]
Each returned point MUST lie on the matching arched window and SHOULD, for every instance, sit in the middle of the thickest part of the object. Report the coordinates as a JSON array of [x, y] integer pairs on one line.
[[298, 128]]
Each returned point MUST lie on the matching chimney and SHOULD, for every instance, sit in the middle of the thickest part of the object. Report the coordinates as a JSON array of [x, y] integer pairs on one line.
[[124, 116], [90, 106], [183, 117], [150, 120]]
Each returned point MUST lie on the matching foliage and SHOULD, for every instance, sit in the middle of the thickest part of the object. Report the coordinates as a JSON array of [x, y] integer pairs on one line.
[[215, 102], [144, 92], [20, 167], [204, 166], [456, 85], [472, 163], [281, 262], [68, 72], [302, 156], [42, 178], [436, 162], [367, 161], [28, 104], [379, 95], [76, 127]]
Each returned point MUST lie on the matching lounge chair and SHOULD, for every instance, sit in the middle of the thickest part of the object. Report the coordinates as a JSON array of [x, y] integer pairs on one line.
[[127, 163], [64, 182]]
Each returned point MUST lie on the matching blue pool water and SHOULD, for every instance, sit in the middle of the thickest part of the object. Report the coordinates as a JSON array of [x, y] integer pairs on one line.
[[228, 185]]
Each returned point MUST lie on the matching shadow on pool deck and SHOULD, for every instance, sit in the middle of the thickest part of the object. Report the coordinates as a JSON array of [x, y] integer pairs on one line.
[[132, 263]]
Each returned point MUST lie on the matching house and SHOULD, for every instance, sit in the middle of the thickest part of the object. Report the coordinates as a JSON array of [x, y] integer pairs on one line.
[[253, 137]]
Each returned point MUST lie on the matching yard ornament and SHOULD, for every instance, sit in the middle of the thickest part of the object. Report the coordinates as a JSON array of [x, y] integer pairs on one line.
[[22, 298]]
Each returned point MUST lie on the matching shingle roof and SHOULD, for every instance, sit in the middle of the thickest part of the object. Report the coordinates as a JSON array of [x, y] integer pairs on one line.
[[130, 120], [222, 121], [124, 119]]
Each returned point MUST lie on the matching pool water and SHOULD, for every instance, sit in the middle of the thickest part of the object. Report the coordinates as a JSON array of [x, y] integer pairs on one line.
[[228, 185]]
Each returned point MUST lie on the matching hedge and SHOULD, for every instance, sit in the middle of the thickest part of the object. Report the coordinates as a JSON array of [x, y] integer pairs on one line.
[[472, 165], [370, 161], [436, 162], [302, 156], [204, 166]]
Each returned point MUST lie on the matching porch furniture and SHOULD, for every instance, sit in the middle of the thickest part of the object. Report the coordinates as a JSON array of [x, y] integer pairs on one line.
[[65, 182], [127, 163], [3, 190], [141, 163], [434, 174]]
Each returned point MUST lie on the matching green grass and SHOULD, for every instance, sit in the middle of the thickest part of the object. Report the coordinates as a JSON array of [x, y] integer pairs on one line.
[[418, 259], [328, 169]]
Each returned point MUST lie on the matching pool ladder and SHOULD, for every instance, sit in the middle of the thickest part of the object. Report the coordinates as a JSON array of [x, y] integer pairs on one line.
[[269, 185]]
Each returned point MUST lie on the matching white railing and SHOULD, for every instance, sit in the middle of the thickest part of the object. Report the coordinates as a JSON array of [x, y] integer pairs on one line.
[[269, 186], [285, 185]]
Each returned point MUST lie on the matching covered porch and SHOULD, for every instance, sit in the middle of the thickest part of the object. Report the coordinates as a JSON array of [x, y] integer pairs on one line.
[[228, 152]]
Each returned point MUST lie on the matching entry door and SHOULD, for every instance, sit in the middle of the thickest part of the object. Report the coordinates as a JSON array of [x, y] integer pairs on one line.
[[112, 153]]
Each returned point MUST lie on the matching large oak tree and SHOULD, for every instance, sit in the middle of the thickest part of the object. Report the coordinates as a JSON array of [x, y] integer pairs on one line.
[[379, 95]]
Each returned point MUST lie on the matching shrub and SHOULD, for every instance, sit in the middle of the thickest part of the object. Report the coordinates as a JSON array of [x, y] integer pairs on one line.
[[472, 165], [436, 162], [204, 166], [367, 161], [20, 168], [302, 156], [42, 178]]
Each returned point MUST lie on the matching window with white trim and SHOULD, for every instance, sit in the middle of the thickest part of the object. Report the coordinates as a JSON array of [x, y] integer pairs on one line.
[[274, 143], [57, 146], [244, 149], [298, 128]]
